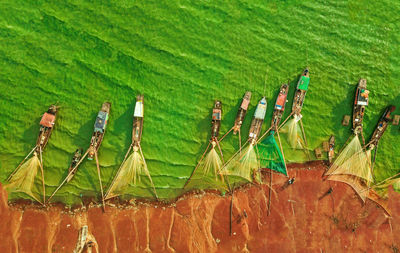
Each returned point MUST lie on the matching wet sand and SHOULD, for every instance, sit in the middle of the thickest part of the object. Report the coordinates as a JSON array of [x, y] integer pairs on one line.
[[302, 218]]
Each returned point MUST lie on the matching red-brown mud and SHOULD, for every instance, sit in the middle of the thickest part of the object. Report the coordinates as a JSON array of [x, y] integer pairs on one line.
[[302, 218]]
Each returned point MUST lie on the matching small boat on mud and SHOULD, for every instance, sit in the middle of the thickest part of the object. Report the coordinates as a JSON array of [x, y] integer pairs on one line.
[[279, 106], [300, 95], [360, 102], [99, 129], [46, 127], [257, 121], [137, 121], [75, 160], [242, 112], [331, 151], [216, 121], [381, 127]]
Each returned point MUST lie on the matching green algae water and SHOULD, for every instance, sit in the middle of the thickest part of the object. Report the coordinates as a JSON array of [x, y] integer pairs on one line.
[[182, 55]]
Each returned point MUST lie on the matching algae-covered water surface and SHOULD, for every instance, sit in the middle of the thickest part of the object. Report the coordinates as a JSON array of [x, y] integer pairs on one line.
[[182, 55]]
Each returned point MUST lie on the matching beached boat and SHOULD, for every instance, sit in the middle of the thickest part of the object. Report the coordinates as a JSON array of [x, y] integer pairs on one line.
[[216, 120], [46, 127], [137, 121], [381, 127], [99, 129], [300, 95], [257, 121], [242, 112], [360, 102], [75, 160], [279, 106], [331, 151]]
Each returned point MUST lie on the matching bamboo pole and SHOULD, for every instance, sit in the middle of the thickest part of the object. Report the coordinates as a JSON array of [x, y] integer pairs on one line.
[[269, 190], [305, 139], [226, 134], [287, 118], [101, 185], [187, 181], [16, 169], [119, 169], [148, 173], [283, 155], [231, 214], [41, 170]]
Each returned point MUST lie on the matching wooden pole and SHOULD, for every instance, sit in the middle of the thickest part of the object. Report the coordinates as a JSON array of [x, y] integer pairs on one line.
[[187, 181], [305, 139], [288, 117], [119, 169], [283, 155], [41, 169], [231, 214], [270, 191], [226, 134], [16, 169], [101, 185], [147, 171]]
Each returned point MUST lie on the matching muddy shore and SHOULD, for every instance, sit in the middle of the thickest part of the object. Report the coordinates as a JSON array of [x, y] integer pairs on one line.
[[303, 217]]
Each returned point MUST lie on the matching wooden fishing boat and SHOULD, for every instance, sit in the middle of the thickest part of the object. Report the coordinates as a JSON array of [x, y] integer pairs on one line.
[[257, 121], [242, 112], [99, 129], [301, 90], [360, 102], [75, 160], [46, 127], [331, 151], [216, 120], [137, 121], [381, 127], [279, 106]]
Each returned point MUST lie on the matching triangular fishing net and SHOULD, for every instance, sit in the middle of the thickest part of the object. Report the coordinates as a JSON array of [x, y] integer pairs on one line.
[[243, 164], [24, 177], [358, 184], [208, 173], [130, 172], [353, 161], [292, 128], [271, 156]]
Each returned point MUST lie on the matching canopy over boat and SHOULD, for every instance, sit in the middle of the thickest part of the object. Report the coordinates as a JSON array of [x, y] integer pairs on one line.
[[303, 83], [138, 109], [261, 109], [48, 120], [101, 121]]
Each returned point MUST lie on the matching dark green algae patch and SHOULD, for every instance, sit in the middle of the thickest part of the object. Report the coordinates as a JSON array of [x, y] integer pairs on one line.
[[182, 56]]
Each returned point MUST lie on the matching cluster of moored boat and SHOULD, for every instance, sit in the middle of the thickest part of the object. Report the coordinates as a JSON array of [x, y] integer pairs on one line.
[[49, 118]]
